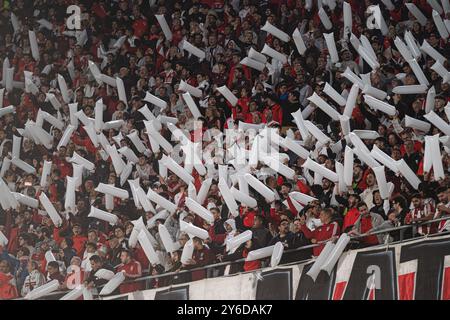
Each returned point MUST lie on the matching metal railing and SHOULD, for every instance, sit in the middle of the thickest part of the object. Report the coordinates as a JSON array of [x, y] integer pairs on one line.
[[222, 265]]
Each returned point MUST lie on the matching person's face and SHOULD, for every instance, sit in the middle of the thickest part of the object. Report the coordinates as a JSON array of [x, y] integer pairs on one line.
[[377, 198], [346, 56], [22, 241], [357, 171], [19, 219], [119, 233], [183, 239], [284, 227], [76, 230], [75, 262], [324, 217], [62, 153], [409, 146], [392, 217], [257, 223], [197, 244], [416, 202], [379, 144], [3, 267], [363, 210], [80, 205], [297, 226], [396, 154], [443, 197], [51, 270], [285, 190], [129, 228], [92, 237], [216, 214], [228, 228], [124, 258], [326, 184], [95, 265], [212, 41], [370, 180], [397, 206], [416, 105]]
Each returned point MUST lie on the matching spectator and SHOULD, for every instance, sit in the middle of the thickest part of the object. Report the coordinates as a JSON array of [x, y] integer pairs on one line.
[[8, 288], [367, 221], [242, 252], [132, 270], [328, 230], [34, 278], [53, 272], [442, 209], [300, 240], [400, 210], [420, 212], [286, 237], [260, 233], [92, 281], [202, 256]]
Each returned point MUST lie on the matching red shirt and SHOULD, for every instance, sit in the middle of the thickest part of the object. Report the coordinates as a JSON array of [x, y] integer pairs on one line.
[[63, 166], [202, 258], [277, 114], [321, 233], [140, 256], [248, 218], [250, 265], [366, 225], [7, 289], [350, 218], [13, 241], [140, 27], [132, 270], [84, 142], [78, 244], [217, 238]]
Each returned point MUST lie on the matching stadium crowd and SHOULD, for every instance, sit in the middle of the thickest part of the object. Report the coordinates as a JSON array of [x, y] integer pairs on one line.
[[147, 62]]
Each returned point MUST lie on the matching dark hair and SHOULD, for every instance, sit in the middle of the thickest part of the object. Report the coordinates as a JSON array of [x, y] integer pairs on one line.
[[91, 244], [46, 232], [416, 195], [287, 184], [25, 250], [196, 239], [215, 209], [260, 218], [401, 201], [95, 258], [93, 230], [127, 251], [25, 237], [159, 269], [361, 204], [441, 190], [119, 227], [53, 264], [356, 196]]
